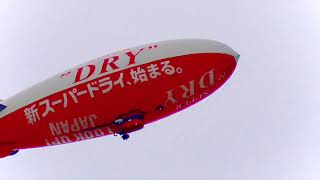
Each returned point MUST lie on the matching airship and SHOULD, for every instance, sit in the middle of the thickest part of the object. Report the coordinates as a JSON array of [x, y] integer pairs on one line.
[[115, 94]]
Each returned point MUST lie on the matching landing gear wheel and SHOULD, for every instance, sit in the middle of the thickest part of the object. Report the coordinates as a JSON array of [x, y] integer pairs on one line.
[[14, 152], [125, 136]]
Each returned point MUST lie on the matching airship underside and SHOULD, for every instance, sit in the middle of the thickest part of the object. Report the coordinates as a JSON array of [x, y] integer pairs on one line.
[[115, 94]]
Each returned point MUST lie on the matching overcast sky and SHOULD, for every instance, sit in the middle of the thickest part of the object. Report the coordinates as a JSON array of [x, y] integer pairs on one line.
[[264, 124]]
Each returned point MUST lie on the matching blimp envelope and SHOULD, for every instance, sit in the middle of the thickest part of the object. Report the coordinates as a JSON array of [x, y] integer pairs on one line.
[[115, 94]]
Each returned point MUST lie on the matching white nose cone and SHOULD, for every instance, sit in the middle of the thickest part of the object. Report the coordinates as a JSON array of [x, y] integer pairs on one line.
[[237, 57]]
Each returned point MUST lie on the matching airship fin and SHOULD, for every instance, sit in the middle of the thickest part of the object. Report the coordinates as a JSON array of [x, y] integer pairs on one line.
[[2, 107]]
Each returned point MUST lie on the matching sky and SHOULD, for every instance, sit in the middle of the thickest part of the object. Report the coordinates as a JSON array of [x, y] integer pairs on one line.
[[262, 124]]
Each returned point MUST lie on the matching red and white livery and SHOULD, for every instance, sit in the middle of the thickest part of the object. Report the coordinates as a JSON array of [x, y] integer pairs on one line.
[[115, 94]]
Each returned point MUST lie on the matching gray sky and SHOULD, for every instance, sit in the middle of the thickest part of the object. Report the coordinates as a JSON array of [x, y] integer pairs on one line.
[[263, 124]]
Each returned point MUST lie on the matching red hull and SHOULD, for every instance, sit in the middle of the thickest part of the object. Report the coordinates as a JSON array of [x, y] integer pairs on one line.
[[193, 78]]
